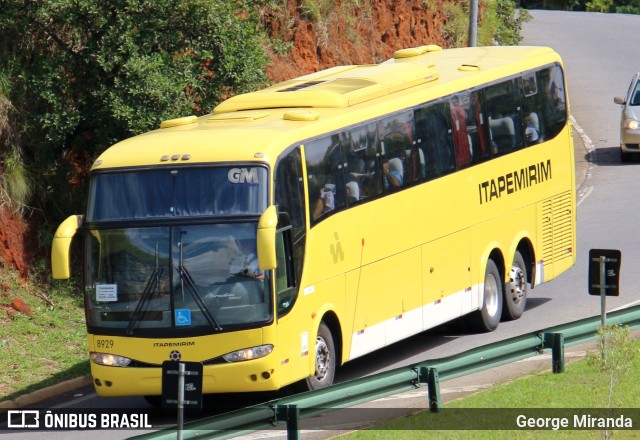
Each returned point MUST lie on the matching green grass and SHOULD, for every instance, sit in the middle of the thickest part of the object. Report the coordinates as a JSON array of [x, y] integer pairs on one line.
[[580, 386], [43, 347]]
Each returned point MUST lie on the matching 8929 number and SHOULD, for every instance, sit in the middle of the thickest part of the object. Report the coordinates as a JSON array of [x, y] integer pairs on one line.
[[104, 343]]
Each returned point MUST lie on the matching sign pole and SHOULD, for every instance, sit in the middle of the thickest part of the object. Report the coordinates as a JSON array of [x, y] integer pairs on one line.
[[604, 280], [181, 374], [603, 290], [603, 303]]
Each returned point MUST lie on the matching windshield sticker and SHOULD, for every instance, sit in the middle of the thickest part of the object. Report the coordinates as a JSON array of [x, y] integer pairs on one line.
[[107, 292], [183, 317]]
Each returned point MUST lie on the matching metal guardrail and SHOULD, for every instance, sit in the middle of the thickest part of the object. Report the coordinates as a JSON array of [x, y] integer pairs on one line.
[[291, 410]]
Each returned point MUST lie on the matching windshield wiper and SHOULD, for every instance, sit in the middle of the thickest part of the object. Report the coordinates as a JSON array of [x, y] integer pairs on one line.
[[187, 281], [153, 285]]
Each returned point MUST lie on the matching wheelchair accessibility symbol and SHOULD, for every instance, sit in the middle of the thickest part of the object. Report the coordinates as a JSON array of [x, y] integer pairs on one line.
[[183, 317]]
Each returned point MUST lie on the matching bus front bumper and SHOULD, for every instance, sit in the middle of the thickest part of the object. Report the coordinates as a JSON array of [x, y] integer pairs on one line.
[[257, 375]]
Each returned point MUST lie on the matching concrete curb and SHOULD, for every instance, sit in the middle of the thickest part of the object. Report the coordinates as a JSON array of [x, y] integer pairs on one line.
[[39, 396]]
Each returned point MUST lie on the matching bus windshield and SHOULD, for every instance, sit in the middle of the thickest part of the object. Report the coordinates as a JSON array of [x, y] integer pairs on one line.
[[177, 192], [198, 278]]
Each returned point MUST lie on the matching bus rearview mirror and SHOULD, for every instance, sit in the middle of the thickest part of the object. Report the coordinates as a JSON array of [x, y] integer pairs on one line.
[[266, 239], [60, 261]]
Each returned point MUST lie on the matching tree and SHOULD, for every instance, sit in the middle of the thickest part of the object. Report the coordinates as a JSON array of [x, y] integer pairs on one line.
[[85, 74], [600, 5]]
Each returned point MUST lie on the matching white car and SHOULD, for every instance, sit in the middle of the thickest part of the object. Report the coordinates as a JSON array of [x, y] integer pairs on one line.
[[630, 120]]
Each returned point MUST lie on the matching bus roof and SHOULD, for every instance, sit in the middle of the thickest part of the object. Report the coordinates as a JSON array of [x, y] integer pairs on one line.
[[257, 126]]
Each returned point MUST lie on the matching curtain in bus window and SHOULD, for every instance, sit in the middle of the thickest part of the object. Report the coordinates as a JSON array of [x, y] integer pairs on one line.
[[178, 192], [200, 192], [469, 133], [461, 139], [209, 191], [480, 136], [129, 196]]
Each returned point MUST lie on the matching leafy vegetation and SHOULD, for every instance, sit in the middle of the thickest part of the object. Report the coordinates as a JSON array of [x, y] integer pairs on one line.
[[501, 23], [84, 74]]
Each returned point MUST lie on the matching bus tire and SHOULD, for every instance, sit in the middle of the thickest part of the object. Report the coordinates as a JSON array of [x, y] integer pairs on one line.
[[325, 360], [154, 401], [488, 317], [516, 290]]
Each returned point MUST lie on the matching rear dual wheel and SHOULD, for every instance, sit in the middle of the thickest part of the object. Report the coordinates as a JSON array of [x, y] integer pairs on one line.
[[516, 289], [488, 317]]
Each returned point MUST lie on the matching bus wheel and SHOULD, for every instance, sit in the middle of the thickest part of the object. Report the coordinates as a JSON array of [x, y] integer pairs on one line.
[[488, 317], [325, 360], [516, 289]]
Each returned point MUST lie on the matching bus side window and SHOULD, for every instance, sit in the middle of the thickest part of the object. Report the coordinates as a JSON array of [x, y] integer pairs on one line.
[[433, 126], [396, 134], [533, 108], [363, 169], [554, 115], [290, 238], [469, 130], [325, 171], [505, 117]]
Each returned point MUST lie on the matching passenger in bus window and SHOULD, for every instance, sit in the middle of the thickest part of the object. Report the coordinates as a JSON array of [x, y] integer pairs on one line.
[[393, 172], [531, 128], [353, 192], [324, 201]]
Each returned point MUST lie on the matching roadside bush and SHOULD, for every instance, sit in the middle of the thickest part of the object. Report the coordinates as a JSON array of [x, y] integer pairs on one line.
[[84, 74]]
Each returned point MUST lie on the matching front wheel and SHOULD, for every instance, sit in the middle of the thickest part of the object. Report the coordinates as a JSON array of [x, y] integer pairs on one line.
[[516, 289], [488, 317], [325, 354]]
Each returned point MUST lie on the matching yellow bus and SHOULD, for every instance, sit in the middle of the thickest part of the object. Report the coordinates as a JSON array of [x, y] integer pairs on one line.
[[299, 227]]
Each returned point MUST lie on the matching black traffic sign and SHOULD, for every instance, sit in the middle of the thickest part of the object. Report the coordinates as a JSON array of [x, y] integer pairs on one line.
[[192, 384], [605, 264]]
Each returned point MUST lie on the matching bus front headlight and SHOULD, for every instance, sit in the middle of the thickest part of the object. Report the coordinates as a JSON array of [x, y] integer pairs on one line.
[[247, 354], [109, 360]]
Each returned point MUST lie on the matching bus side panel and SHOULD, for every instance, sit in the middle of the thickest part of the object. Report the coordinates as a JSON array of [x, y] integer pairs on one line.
[[506, 231], [297, 331], [387, 302], [447, 288]]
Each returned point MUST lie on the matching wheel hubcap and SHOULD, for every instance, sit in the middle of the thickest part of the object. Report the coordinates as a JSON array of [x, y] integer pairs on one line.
[[323, 359], [518, 284], [491, 295]]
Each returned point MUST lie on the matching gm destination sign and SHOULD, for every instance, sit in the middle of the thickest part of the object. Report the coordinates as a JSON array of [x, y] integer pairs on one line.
[[514, 181]]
